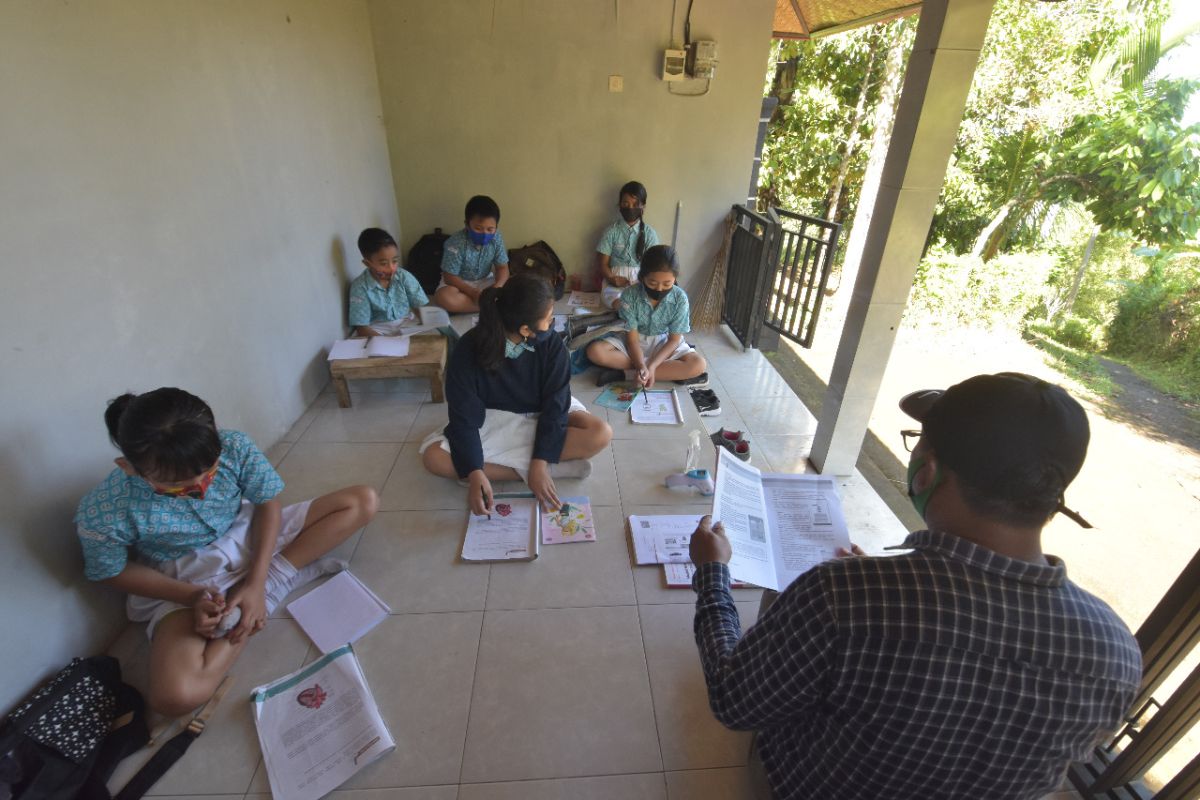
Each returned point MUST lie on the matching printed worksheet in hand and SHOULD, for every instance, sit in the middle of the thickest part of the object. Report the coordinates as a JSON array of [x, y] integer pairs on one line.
[[779, 526]]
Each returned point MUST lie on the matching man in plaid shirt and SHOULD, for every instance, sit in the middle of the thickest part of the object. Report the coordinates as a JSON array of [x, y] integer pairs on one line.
[[969, 667]]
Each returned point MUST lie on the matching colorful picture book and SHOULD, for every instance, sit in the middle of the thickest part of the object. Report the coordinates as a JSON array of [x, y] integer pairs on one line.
[[571, 522]]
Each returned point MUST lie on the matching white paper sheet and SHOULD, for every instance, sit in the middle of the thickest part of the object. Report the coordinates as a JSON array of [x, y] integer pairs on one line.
[[679, 576], [584, 299], [387, 346], [342, 610], [806, 518], [428, 318], [656, 407], [779, 526], [651, 535], [739, 505], [348, 348], [318, 726], [508, 535]]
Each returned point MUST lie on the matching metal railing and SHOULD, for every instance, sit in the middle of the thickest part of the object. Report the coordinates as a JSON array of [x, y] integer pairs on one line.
[[778, 268]]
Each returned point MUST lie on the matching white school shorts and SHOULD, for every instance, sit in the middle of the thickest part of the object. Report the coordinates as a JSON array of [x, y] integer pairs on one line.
[[220, 564], [507, 438], [609, 294], [650, 345]]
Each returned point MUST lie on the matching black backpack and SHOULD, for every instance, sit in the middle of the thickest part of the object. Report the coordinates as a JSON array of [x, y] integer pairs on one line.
[[66, 740], [425, 260]]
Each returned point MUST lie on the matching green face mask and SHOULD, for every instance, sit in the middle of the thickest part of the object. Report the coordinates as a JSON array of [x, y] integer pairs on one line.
[[920, 501]]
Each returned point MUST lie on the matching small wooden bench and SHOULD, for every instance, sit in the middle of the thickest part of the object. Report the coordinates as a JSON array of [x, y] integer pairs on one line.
[[426, 359]]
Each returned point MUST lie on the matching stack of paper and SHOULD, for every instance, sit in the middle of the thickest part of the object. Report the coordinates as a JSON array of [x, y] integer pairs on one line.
[[318, 727], [342, 610], [511, 533]]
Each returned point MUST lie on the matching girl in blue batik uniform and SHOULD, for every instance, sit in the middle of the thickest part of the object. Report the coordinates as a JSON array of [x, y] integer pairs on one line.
[[657, 315], [623, 244]]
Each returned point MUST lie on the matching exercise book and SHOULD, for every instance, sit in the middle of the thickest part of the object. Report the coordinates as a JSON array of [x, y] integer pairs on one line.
[[342, 610]]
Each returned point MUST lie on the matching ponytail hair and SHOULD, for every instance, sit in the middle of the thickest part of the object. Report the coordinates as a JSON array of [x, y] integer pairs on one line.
[[660, 258], [167, 434], [522, 300], [637, 190]]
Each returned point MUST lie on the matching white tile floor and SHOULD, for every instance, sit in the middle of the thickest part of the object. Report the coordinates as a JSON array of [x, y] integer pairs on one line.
[[574, 676]]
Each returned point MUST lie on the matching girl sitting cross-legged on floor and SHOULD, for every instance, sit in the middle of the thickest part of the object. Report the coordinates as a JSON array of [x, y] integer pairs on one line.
[[213, 551], [509, 400], [656, 314]]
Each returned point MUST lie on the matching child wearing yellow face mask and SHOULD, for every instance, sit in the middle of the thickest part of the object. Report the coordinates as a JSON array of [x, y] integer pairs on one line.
[[214, 551]]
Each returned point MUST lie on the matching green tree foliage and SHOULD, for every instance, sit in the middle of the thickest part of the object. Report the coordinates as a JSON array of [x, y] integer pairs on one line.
[[1132, 165], [827, 90]]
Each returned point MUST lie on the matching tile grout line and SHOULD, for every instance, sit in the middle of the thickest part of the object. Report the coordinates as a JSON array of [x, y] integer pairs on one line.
[[650, 687], [474, 682]]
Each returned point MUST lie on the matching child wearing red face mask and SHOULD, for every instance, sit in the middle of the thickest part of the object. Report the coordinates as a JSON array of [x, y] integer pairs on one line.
[[214, 552], [383, 296]]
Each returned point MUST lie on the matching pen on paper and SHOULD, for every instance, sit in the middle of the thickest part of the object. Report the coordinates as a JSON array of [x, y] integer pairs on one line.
[[365, 748], [486, 501]]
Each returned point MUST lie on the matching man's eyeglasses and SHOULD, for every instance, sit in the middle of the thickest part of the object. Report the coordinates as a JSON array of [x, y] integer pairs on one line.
[[910, 439]]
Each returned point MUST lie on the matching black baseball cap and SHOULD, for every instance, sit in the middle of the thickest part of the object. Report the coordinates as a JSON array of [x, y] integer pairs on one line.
[[990, 428]]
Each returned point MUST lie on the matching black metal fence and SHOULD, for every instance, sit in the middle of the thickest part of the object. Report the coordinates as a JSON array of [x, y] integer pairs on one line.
[[779, 265]]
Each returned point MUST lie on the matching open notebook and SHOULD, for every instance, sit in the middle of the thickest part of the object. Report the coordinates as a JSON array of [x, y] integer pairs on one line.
[[375, 347]]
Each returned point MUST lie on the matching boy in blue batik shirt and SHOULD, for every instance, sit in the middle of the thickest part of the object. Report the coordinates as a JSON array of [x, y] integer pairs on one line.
[[383, 297], [191, 527], [470, 256]]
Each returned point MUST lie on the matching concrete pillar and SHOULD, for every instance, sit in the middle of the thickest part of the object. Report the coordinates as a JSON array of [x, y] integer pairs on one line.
[[949, 36]]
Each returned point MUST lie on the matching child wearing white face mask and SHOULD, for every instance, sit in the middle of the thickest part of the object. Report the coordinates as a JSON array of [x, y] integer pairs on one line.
[[657, 315], [623, 244], [473, 259]]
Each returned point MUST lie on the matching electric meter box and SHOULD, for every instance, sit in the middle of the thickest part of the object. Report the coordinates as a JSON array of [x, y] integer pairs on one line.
[[674, 62], [703, 59]]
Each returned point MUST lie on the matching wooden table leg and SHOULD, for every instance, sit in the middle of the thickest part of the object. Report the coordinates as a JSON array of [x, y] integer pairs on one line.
[[343, 391], [436, 383]]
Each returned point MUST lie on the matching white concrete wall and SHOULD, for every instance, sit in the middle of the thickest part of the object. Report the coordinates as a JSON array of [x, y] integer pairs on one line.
[[182, 185], [510, 98]]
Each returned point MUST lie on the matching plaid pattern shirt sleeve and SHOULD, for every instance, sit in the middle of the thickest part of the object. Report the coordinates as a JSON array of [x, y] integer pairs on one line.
[[949, 672], [762, 679]]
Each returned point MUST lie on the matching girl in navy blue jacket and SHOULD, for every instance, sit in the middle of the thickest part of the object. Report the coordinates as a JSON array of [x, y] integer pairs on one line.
[[509, 400]]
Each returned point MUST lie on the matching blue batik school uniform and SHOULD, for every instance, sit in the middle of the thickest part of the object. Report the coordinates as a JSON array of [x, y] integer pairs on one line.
[[370, 303], [619, 242], [654, 324], [471, 262], [202, 542]]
